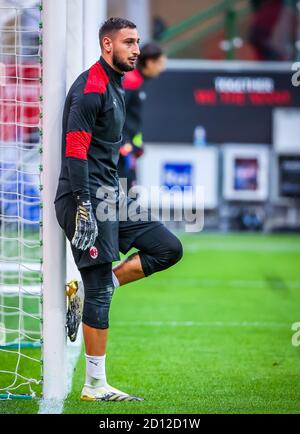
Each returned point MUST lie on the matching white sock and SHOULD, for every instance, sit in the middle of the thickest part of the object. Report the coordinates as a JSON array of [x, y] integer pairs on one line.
[[95, 371], [115, 280]]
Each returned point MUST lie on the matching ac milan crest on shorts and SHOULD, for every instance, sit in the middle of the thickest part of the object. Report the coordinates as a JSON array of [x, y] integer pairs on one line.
[[94, 252]]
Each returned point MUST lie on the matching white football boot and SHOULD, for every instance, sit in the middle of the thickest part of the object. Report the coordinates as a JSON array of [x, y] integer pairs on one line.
[[106, 393]]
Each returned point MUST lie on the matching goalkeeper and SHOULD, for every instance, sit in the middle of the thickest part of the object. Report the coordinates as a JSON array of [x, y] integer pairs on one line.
[[93, 119]]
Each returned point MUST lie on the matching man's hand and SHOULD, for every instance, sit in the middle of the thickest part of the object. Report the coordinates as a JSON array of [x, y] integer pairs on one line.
[[86, 226]]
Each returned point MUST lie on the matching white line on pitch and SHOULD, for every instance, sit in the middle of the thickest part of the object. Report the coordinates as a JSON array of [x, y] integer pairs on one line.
[[241, 247], [263, 324], [239, 283], [23, 289], [22, 266]]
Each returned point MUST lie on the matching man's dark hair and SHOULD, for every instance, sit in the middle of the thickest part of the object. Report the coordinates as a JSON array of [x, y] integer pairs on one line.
[[151, 50], [112, 25]]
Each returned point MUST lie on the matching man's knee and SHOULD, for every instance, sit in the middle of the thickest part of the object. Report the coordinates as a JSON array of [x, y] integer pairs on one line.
[[166, 255], [98, 292], [173, 251], [96, 306]]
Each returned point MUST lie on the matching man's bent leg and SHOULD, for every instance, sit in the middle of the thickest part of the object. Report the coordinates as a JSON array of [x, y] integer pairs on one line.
[[129, 270], [158, 248]]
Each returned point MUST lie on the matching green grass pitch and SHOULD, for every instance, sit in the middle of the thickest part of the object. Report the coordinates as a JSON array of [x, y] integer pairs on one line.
[[210, 335]]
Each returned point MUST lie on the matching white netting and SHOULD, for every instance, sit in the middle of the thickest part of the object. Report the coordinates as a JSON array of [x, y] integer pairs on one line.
[[20, 206]]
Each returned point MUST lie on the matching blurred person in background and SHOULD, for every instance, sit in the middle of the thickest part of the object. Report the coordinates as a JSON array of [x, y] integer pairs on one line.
[[151, 63], [272, 29]]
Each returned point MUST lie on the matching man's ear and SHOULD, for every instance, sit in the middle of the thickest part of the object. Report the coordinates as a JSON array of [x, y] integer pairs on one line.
[[107, 44]]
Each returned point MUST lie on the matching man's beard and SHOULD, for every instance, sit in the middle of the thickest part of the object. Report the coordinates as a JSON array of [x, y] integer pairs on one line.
[[120, 65]]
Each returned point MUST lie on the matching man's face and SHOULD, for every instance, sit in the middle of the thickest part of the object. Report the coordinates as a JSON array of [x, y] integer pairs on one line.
[[154, 67], [125, 49]]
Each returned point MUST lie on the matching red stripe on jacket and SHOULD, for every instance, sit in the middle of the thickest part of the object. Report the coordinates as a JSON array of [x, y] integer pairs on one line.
[[133, 80], [97, 80], [77, 144]]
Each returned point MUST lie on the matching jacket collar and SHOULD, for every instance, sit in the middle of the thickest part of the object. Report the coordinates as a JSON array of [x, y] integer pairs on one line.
[[112, 73]]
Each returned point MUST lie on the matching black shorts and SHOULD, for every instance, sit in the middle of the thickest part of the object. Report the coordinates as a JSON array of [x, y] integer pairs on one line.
[[113, 237]]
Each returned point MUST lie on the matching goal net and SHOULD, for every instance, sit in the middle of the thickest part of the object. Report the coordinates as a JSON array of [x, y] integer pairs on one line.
[[43, 48], [20, 200]]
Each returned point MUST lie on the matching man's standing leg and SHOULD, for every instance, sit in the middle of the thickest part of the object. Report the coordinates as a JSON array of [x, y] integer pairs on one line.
[[99, 288], [98, 293]]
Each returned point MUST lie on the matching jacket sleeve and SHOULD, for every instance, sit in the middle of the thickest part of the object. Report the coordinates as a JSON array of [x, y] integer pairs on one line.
[[130, 126], [82, 118]]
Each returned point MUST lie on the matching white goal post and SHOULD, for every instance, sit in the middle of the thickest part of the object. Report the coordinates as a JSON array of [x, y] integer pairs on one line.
[[54, 257], [70, 45], [44, 46]]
